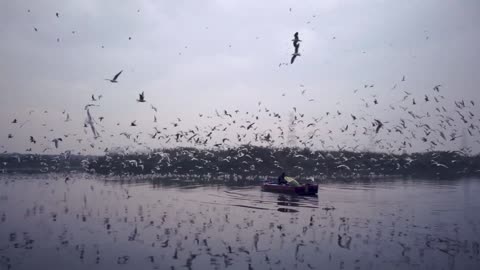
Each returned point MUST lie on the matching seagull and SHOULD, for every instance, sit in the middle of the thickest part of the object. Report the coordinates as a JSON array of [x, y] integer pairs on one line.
[[439, 164], [55, 141], [90, 121], [141, 97], [296, 44], [343, 166], [114, 80], [379, 125]]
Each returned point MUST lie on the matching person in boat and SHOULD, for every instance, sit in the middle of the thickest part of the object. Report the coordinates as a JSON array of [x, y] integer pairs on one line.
[[281, 179]]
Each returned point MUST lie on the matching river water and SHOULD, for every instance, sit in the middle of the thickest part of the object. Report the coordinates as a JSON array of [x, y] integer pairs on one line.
[[90, 222]]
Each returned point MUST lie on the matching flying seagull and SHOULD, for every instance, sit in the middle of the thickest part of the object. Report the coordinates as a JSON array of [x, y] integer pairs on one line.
[[296, 44], [379, 125], [114, 80], [55, 141], [141, 97]]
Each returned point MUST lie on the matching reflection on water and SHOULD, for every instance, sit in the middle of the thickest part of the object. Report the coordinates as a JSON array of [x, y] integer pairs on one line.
[[49, 223]]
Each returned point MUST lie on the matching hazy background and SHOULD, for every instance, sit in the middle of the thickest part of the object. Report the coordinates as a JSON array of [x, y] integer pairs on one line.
[[192, 57]]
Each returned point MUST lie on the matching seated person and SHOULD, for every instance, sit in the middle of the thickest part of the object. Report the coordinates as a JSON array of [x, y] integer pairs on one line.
[[281, 179]]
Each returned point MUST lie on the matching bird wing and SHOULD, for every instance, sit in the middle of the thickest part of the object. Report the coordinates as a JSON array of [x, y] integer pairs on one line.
[[118, 74], [293, 59]]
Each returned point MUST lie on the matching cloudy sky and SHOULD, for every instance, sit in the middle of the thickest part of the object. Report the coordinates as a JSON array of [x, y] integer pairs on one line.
[[195, 57]]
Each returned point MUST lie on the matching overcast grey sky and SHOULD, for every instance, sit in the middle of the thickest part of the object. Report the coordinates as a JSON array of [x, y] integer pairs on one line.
[[193, 57]]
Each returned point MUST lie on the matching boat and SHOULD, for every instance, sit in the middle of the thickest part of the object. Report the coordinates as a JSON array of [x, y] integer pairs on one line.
[[302, 189]]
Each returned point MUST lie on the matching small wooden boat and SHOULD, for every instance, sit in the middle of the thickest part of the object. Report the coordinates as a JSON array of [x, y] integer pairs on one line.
[[304, 189]]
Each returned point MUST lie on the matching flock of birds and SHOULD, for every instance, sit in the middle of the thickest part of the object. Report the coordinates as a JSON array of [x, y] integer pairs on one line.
[[431, 124], [392, 121]]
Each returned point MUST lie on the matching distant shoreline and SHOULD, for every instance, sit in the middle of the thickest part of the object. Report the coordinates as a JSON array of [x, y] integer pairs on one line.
[[250, 162]]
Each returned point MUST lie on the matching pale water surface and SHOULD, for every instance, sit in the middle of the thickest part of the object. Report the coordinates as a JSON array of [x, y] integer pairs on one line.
[[93, 223]]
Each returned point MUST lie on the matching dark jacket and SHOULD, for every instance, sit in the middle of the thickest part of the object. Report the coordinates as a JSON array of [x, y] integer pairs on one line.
[[281, 179]]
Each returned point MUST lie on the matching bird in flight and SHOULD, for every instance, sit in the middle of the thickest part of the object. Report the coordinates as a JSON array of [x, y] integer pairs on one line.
[[296, 45], [114, 80], [133, 124], [141, 97], [55, 141], [379, 125]]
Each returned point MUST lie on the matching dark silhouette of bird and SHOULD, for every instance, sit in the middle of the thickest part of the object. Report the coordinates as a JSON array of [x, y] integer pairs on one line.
[[133, 123], [141, 97], [56, 141], [58, 15], [32, 140], [296, 45], [378, 124], [14, 121], [114, 80]]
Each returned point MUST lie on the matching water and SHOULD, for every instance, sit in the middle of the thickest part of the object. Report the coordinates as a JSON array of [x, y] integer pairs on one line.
[[89, 222]]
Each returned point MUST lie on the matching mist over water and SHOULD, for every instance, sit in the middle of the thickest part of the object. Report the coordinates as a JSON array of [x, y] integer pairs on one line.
[[98, 223]]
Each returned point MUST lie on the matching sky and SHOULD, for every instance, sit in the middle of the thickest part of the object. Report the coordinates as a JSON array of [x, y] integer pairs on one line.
[[199, 57]]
